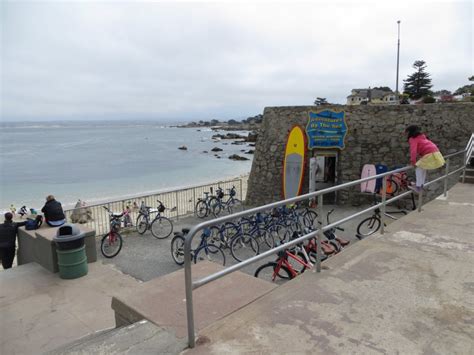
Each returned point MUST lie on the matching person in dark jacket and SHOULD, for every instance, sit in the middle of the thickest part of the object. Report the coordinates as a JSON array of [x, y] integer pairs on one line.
[[8, 230], [53, 212]]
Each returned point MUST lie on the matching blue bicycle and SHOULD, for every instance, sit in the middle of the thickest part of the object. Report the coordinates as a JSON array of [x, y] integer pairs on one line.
[[204, 251]]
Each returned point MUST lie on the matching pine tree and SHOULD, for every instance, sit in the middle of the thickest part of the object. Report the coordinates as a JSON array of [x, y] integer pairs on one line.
[[321, 101], [418, 84]]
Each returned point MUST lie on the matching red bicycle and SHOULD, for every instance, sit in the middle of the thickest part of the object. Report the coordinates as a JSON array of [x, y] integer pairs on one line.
[[288, 265], [111, 242]]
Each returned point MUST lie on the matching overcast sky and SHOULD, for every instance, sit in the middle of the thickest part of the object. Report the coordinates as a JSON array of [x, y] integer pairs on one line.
[[194, 60]]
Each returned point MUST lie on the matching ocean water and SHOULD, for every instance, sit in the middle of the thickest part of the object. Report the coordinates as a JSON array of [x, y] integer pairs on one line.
[[107, 160]]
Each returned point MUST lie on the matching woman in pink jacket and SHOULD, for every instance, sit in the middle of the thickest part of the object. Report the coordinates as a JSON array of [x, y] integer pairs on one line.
[[425, 151]]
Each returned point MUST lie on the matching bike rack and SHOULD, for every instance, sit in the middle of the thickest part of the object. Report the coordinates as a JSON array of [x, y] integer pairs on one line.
[[192, 285]]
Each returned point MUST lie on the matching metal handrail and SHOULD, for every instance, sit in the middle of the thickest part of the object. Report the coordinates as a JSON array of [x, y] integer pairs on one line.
[[191, 285]]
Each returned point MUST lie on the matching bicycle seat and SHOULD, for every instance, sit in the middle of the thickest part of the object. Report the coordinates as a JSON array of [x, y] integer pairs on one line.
[[178, 233], [343, 242], [185, 230], [117, 215]]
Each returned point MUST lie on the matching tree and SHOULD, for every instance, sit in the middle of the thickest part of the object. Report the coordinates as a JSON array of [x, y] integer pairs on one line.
[[466, 88], [320, 101], [382, 88], [418, 84], [442, 92]]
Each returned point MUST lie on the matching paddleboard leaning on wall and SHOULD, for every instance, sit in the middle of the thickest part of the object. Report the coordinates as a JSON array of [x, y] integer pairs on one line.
[[368, 186], [294, 161]]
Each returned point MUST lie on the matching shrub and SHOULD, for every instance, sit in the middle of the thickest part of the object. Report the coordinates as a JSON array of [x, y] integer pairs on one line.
[[429, 100]]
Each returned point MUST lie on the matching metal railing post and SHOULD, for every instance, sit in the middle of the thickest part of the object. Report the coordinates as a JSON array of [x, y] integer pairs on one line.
[[384, 198], [177, 206], [189, 291], [446, 178], [420, 199], [241, 196], [464, 163], [319, 237]]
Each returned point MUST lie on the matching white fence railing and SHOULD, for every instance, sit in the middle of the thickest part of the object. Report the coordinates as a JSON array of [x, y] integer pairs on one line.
[[179, 203]]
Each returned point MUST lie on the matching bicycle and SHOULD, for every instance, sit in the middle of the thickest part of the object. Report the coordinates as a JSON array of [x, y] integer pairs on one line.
[[250, 235], [400, 183], [372, 224], [282, 269], [205, 249], [202, 207], [217, 204], [112, 242], [161, 227], [337, 242]]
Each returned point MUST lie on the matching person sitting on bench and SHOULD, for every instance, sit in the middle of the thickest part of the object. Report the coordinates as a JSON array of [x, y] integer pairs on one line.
[[53, 212]]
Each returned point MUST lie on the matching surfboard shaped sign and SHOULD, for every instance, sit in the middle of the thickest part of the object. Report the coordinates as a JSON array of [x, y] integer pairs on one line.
[[326, 129], [293, 164]]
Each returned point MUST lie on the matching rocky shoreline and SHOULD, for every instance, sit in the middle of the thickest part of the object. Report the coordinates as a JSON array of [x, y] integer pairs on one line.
[[238, 139]]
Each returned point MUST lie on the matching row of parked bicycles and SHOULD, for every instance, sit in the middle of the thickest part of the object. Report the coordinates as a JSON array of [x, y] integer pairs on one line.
[[250, 236], [245, 237], [214, 205], [161, 227], [148, 218]]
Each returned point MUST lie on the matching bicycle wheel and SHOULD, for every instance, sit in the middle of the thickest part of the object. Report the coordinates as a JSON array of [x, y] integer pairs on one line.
[[310, 218], [243, 247], [210, 252], [264, 239], [201, 209], [215, 206], [394, 188], [142, 223], [267, 272], [368, 226], [177, 249], [161, 227], [111, 244], [279, 233]]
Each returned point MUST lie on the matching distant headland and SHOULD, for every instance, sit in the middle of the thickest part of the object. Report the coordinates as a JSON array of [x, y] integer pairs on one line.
[[248, 124]]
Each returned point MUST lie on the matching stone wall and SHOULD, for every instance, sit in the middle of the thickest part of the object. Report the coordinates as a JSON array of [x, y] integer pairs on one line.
[[375, 135]]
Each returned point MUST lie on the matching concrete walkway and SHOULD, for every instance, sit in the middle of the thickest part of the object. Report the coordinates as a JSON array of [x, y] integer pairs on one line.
[[410, 291], [39, 311]]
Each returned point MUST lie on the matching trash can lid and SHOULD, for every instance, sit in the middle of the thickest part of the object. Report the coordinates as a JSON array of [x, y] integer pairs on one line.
[[68, 232]]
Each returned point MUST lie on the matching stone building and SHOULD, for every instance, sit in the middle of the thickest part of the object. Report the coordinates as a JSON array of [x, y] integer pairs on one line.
[[375, 135]]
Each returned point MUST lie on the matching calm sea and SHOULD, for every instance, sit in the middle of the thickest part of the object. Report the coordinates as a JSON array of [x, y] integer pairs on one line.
[[99, 161]]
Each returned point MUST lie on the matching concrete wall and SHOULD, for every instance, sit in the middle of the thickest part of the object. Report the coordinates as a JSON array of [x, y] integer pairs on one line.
[[376, 135]]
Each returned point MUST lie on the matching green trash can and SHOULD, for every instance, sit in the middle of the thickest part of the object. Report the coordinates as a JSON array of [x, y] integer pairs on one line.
[[71, 251]]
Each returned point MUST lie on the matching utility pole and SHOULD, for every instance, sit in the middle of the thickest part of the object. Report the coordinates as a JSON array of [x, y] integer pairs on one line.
[[398, 61]]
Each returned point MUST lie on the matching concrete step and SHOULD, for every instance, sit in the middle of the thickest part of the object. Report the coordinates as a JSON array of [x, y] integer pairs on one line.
[[162, 301], [40, 312], [139, 338]]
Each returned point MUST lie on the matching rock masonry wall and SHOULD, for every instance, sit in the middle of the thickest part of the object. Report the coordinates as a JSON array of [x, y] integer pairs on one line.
[[375, 135]]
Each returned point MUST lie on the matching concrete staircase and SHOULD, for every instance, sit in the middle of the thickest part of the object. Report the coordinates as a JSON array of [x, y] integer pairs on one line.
[[469, 178], [151, 317], [139, 338]]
